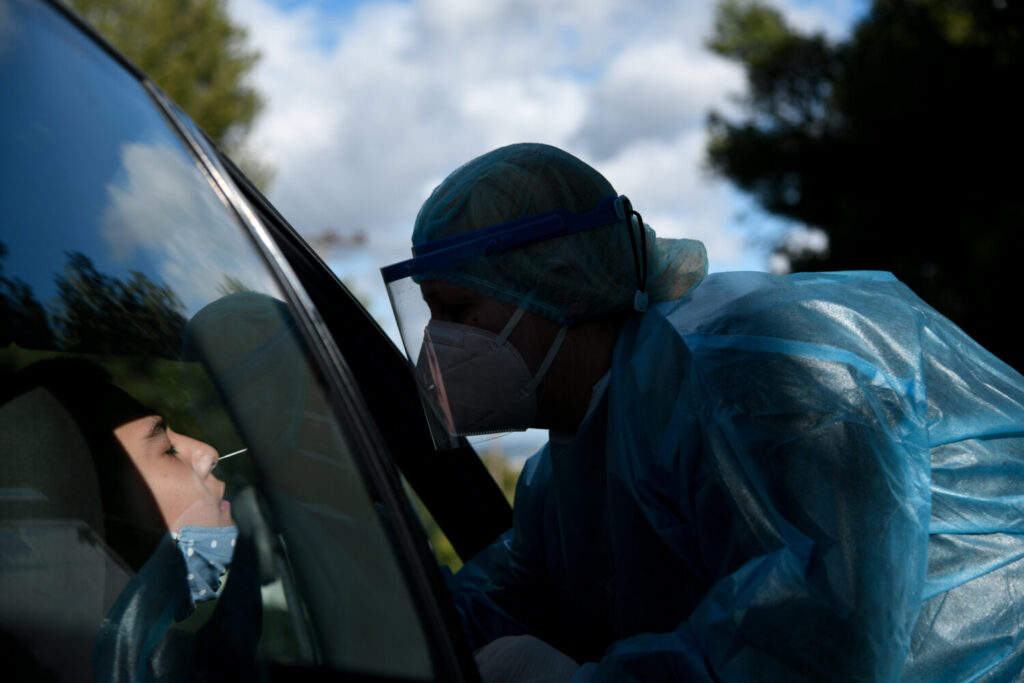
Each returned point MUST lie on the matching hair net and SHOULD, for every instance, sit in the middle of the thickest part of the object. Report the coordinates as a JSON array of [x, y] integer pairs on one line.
[[566, 279]]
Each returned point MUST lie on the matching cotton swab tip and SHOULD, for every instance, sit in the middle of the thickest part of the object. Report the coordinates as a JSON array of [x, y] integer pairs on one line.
[[231, 454]]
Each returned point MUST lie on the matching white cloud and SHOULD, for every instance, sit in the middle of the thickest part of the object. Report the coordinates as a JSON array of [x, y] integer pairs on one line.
[[160, 205], [833, 18], [369, 109], [677, 198], [654, 91]]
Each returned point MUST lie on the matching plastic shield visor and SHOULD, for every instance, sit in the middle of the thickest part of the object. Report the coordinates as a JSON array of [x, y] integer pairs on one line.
[[448, 361], [413, 316]]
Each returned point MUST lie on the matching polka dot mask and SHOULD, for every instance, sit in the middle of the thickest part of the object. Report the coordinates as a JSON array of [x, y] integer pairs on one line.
[[207, 551]]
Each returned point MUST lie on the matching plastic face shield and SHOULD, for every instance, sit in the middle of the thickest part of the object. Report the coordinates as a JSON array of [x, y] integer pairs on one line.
[[442, 385]]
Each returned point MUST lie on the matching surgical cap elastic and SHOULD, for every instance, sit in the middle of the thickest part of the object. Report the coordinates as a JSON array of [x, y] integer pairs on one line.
[[567, 279]]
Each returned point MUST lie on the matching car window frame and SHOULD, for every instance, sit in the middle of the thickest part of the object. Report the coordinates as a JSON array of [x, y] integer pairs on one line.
[[347, 406], [456, 486]]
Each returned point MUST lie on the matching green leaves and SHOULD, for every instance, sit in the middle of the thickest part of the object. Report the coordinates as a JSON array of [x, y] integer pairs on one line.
[[748, 32], [196, 55], [895, 142], [98, 313]]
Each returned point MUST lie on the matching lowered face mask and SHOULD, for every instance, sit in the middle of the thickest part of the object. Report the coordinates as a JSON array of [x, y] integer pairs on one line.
[[207, 551], [476, 381]]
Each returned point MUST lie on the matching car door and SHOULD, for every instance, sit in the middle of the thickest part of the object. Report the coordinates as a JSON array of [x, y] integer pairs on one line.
[[131, 248], [449, 483]]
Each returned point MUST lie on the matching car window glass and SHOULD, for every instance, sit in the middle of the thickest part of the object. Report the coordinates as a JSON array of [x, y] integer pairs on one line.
[[126, 287]]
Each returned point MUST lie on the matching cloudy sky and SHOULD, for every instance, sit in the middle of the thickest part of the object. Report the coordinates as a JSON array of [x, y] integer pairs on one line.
[[371, 104]]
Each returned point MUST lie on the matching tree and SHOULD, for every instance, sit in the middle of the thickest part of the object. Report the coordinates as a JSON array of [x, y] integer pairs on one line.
[[197, 56], [22, 319], [896, 142], [98, 313]]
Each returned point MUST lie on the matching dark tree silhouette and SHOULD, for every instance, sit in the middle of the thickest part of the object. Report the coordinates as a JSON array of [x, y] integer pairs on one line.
[[97, 313], [899, 143], [22, 319]]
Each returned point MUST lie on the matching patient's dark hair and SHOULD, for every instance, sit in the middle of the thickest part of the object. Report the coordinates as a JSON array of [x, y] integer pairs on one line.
[[132, 524]]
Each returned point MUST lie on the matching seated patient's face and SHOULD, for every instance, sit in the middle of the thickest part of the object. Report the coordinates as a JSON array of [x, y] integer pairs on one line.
[[178, 471]]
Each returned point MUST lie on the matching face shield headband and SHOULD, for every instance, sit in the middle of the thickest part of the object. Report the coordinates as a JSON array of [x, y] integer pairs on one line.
[[430, 344], [501, 237]]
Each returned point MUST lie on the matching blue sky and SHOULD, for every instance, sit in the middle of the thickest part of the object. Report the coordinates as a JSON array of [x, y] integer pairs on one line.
[[842, 12], [370, 104]]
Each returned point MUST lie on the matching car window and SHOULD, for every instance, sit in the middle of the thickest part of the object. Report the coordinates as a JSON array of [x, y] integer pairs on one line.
[[129, 288]]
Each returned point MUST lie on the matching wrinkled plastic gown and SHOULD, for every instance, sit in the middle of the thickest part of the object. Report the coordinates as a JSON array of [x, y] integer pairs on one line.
[[787, 478]]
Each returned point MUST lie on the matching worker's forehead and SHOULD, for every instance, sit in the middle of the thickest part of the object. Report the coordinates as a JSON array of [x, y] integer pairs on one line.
[[447, 291], [445, 297]]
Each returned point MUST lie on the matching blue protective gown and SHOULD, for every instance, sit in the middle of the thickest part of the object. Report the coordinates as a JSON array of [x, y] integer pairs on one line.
[[787, 478]]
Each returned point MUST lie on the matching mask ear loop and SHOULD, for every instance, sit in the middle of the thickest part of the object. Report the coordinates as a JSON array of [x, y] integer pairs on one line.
[[510, 325], [548, 360], [625, 209]]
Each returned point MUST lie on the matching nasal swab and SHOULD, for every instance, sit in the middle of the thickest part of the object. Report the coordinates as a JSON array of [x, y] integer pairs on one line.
[[230, 454]]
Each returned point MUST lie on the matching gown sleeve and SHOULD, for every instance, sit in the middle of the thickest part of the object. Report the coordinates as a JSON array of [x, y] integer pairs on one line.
[[788, 469], [502, 591], [777, 436]]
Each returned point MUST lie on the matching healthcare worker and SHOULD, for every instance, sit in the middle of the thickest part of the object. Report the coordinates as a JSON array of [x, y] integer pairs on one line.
[[748, 477]]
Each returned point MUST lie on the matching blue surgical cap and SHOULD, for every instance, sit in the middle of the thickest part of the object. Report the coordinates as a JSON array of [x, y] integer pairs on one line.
[[567, 279]]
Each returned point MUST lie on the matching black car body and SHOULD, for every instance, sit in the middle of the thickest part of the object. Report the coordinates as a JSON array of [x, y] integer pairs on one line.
[[130, 242]]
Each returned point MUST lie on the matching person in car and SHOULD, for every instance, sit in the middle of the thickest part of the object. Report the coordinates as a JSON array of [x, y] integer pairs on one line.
[[154, 482], [163, 514], [748, 476]]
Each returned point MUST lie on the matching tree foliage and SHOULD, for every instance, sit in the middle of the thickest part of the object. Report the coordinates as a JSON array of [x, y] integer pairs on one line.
[[899, 143], [93, 313], [98, 313], [192, 50], [22, 319]]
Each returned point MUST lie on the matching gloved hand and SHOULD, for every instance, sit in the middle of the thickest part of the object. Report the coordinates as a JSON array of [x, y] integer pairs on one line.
[[523, 659]]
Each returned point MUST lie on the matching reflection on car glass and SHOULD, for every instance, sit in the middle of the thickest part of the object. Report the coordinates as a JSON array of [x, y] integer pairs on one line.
[[120, 269], [153, 490], [249, 343], [132, 202]]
